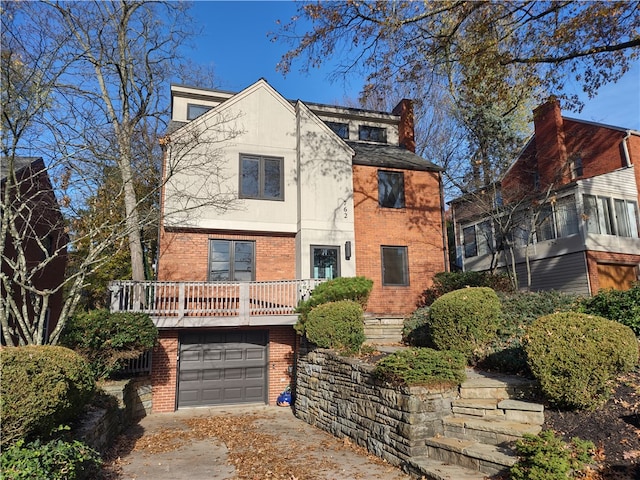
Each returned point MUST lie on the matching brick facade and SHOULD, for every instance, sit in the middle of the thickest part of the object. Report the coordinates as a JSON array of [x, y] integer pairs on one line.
[[418, 226]]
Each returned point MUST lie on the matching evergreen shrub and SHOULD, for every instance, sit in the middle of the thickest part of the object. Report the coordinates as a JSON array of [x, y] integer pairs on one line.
[[108, 340], [42, 388], [618, 305], [465, 320], [575, 357], [415, 329], [337, 325], [356, 289], [445, 282], [53, 460], [422, 366]]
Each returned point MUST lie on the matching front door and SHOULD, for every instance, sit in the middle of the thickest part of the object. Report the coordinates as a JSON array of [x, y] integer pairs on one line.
[[325, 262]]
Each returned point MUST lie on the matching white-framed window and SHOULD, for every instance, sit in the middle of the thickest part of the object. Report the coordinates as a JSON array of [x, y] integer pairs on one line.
[[231, 260], [340, 129], [261, 177], [369, 133], [611, 216], [557, 219], [391, 189], [194, 110], [478, 239], [395, 266]]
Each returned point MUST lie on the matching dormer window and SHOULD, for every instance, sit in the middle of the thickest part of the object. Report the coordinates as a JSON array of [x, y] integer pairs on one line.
[[340, 129], [368, 133], [194, 110]]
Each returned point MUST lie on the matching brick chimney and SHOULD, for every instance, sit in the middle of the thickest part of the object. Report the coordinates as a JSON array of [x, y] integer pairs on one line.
[[406, 134], [551, 150]]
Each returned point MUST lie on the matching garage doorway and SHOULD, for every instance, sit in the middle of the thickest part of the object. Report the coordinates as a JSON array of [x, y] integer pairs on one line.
[[618, 277], [222, 368]]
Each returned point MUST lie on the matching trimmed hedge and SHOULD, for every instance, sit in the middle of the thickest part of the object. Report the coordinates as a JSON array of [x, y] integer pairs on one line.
[[337, 325], [108, 340], [42, 388], [445, 282], [576, 357], [356, 289], [422, 366], [465, 320]]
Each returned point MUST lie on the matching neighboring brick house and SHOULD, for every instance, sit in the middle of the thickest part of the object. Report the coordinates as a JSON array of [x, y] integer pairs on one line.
[[40, 231], [569, 203], [303, 192]]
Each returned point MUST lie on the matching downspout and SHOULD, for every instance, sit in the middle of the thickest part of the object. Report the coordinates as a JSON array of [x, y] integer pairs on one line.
[[625, 149], [445, 243]]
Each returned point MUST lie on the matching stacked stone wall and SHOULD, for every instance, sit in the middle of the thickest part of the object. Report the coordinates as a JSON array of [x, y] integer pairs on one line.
[[342, 396]]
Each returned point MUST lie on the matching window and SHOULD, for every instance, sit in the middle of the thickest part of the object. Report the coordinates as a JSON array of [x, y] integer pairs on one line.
[[395, 269], [478, 239], [261, 177], [545, 225], [340, 129], [325, 262], [470, 244], [194, 111], [621, 220], [372, 134], [566, 215], [576, 166], [231, 260], [390, 189]]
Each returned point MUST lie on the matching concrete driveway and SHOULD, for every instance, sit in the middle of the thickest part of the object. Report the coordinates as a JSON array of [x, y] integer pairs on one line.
[[250, 442]]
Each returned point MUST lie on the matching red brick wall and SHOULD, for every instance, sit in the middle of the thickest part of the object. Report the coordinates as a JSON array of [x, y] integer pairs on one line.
[[418, 226], [282, 344], [184, 255], [164, 372], [593, 258]]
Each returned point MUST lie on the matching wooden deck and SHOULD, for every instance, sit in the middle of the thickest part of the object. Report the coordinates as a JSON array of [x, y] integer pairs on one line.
[[212, 304]]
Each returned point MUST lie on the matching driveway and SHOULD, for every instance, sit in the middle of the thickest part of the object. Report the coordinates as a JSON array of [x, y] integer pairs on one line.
[[250, 442]]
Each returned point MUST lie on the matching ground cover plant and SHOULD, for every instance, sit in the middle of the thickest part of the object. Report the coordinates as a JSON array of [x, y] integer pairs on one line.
[[422, 366], [620, 305]]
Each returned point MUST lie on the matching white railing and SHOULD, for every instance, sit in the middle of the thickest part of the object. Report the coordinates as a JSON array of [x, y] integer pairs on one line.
[[215, 299]]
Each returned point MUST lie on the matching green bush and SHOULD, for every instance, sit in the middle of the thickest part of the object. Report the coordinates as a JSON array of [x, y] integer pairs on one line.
[[465, 320], [42, 387], [338, 325], [575, 357], [547, 457], [621, 306], [356, 289], [53, 460], [445, 282], [108, 340], [519, 310], [415, 329], [422, 366]]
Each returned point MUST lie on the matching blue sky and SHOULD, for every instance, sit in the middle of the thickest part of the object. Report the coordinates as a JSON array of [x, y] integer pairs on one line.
[[234, 41]]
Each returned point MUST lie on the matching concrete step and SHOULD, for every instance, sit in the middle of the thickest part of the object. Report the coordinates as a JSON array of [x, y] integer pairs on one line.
[[425, 468], [489, 430], [484, 385], [487, 459]]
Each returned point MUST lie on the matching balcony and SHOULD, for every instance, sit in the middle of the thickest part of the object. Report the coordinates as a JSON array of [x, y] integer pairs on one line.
[[212, 304]]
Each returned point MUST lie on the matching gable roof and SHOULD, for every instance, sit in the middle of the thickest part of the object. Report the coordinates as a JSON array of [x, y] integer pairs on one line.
[[390, 156], [19, 163]]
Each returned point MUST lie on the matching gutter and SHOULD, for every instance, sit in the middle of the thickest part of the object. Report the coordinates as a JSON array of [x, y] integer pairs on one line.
[[445, 243], [625, 148]]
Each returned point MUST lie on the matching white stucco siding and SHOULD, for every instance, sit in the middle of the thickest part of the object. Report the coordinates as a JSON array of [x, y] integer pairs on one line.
[[256, 122]]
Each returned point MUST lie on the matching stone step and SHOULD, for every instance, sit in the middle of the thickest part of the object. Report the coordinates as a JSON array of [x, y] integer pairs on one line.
[[487, 459], [425, 468], [484, 385], [489, 430], [511, 410]]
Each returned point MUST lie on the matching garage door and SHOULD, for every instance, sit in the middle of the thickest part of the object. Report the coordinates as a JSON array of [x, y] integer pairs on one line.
[[618, 277], [223, 367]]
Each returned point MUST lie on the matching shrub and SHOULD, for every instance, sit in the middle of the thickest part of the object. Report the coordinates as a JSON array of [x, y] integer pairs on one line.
[[356, 289], [415, 329], [53, 460], [42, 387], [107, 340], [576, 356], [547, 457], [464, 320], [338, 325], [621, 306], [445, 282], [422, 366], [519, 310]]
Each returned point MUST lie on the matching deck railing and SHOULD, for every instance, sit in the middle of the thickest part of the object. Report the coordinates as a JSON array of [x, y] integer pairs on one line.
[[211, 299]]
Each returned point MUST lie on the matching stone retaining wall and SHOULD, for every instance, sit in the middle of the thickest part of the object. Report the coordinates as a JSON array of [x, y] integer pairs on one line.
[[100, 426], [341, 395]]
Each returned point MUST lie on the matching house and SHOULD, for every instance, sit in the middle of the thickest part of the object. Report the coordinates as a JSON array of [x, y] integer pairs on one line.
[[564, 215], [264, 198], [40, 238]]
